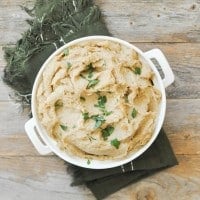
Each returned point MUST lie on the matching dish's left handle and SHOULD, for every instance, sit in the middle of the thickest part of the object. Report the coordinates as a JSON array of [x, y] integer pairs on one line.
[[33, 136]]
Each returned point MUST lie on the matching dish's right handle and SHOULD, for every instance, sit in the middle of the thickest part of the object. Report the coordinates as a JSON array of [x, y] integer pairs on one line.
[[30, 129], [161, 59]]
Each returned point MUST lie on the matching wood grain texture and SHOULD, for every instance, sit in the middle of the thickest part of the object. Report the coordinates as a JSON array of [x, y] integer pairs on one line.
[[173, 27], [134, 21], [39, 176], [183, 143], [153, 21]]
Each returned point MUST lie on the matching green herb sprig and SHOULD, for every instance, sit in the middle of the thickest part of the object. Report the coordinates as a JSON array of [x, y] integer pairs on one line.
[[90, 70], [134, 113], [85, 116], [63, 127], [99, 120], [69, 65], [107, 132], [65, 52], [101, 105], [88, 161], [115, 143], [138, 70], [101, 102], [92, 83]]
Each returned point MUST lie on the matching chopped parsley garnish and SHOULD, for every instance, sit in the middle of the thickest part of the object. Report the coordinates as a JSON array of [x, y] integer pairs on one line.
[[92, 83], [105, 112], [58, 104], [134, 113], [107, 132], [85, 116], [88, 161], [126, 98], [137, 70], [101, 102], [66, 52], [99, 120], [90, 70], [115, 143], [69, 65], [63, 127], [82, 98]]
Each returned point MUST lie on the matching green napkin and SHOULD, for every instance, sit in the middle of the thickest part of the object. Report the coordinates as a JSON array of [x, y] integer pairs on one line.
[[107, 181], [54, 23]]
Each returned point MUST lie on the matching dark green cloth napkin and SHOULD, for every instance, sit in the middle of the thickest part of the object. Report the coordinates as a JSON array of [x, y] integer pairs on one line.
[[54, 23], [107, 181]]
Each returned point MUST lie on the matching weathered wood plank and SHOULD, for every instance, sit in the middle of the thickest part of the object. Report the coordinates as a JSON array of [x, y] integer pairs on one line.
[[182, 116], [183, 58], [12, 23], [12, 118], [153, 21], [46, 177], [43, 178], [143, 21], [183, 143]]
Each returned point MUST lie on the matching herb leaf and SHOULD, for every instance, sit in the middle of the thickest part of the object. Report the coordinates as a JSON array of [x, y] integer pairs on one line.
[[66, 52], [106, 113], [101, 102], [90, 70], [115, 143], [126, 98], [63, 127], [69, 65], [85, 116], [107, 132], [58, 104], [99, 120], [137, 70], [88, 161], [92, 83], [134, 113]]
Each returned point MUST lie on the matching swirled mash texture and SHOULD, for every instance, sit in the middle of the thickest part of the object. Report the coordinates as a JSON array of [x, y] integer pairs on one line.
[[97, 99]]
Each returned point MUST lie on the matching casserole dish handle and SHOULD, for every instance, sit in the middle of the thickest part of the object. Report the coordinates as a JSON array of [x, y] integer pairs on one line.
[[161, 59], [34, 137]]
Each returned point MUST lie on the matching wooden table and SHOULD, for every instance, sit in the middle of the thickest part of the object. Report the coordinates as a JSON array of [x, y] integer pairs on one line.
[[172, 26]]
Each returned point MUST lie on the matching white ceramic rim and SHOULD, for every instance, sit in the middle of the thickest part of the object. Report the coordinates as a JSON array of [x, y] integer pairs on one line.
[[98, 164]]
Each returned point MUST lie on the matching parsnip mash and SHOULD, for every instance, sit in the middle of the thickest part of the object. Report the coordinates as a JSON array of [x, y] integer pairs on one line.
[[97, 100]]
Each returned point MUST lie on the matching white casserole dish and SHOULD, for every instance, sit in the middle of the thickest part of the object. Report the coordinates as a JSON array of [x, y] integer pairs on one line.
[[45, 144]]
